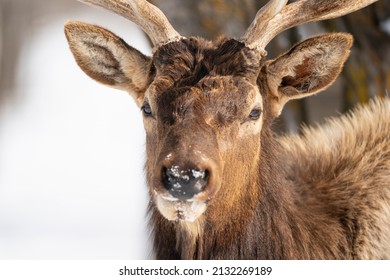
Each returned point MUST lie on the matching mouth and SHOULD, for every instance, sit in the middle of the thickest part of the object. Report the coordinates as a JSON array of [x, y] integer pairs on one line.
[[177, 210]]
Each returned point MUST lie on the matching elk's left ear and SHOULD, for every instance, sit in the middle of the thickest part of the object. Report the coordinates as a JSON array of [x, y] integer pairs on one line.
[[307, 68]]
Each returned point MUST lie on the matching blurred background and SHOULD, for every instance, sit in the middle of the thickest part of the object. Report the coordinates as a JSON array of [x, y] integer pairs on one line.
[[72, 151]]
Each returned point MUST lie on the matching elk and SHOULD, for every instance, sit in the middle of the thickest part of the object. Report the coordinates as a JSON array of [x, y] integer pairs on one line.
[[222, 184]]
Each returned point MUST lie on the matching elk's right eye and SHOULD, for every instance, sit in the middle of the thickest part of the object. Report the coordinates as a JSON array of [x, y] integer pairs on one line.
[[146, 110]]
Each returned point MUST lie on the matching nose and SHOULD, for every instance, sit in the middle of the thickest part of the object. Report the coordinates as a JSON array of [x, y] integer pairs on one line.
[[184, 183]]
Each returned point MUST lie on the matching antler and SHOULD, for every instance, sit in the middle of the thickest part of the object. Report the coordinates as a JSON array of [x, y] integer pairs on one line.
[[152, 21], [276, 17]]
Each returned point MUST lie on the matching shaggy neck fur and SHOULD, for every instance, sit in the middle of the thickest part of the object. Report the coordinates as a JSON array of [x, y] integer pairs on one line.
[[271, 224]]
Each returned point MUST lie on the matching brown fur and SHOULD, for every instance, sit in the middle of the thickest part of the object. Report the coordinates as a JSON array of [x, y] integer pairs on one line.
[[351, 181], [323, 195], [339, 211]]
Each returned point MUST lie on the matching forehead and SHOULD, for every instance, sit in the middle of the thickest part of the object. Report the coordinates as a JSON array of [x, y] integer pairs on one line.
[[204, 74]]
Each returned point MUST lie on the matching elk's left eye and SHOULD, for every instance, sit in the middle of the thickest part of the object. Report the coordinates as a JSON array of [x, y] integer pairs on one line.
[[255, 114]]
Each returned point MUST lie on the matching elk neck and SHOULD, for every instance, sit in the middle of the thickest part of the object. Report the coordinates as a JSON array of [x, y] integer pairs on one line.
[[270, 222]]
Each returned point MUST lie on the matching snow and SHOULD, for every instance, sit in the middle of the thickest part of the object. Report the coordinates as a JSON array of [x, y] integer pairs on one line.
[[198, 174]]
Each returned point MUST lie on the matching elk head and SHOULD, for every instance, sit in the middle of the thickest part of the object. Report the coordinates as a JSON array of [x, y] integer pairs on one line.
[[205, 104]]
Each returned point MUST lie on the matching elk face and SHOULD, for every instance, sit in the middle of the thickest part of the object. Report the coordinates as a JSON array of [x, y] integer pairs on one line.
[[198, 117]]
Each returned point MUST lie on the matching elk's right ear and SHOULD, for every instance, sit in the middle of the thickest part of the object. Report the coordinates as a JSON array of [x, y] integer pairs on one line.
[[107, 59]]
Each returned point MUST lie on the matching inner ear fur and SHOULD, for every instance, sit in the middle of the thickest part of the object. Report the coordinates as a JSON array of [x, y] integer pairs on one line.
[[106, 58], [307, 68]]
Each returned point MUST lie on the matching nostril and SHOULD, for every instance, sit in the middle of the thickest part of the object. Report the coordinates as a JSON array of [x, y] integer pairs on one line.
[[200, 178], [207, 175], [167, 178]]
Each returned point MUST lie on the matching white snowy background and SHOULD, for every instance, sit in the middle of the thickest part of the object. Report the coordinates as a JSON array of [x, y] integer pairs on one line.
[[71, 150]]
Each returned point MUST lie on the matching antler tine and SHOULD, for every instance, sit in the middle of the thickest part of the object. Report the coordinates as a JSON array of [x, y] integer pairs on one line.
[[300, 12], [261, 21], [152, 21]]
